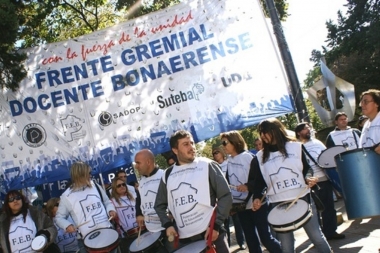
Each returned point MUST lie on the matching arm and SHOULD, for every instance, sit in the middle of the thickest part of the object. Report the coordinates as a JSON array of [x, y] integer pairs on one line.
[[62, 213], [256, 182], [110, 208], [219, 190], [44, 224], [161, 205]]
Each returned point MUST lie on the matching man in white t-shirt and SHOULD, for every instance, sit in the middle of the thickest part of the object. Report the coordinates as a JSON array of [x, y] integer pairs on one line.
[[190, 190]]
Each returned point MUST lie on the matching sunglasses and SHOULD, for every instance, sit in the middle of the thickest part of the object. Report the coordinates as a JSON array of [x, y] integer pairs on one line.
[[215, 153], [224, 143], [120, 185], [11, 199], [57, 204]]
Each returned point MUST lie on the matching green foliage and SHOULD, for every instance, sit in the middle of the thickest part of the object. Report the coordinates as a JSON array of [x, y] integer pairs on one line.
[[161, 161], [353, 51]]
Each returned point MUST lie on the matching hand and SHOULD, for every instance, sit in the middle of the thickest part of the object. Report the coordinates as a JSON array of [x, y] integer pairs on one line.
[[113, 214], [256, 204], [170, 232], [242, 188], [214, 236], [377, 149], [71, 229], [140, 220], [311, 181]]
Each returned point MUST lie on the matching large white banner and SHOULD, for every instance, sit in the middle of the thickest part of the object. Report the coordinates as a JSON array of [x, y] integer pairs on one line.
[[204, 66]]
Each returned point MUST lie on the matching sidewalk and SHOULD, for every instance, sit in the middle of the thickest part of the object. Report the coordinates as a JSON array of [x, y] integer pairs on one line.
[[362, 235]]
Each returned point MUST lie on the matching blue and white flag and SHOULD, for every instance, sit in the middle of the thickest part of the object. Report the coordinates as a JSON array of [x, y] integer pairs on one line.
[[203, 66]]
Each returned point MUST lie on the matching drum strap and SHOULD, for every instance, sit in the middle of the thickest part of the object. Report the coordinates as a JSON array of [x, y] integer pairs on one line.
[[308, 154]]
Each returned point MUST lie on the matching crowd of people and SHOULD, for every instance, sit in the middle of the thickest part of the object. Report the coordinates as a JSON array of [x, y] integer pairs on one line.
[[195, 199]]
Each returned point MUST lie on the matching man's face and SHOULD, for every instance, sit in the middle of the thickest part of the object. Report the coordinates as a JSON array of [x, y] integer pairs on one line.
[[142, 164], [305, 133], [342, 122], [186, 150], [258, 145]]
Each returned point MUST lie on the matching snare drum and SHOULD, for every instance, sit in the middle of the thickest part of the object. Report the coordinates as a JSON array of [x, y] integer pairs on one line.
[[149, 242], [194, 247], [326, 158], [101, 240], [286, 221], [39, 243]]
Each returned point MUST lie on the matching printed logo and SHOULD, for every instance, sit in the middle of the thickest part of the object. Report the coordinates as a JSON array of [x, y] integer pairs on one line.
[[34, 135], [105, 119], [182, 96], [72, 128]]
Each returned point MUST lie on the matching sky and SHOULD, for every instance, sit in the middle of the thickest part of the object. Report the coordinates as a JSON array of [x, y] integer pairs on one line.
[[305, 29]]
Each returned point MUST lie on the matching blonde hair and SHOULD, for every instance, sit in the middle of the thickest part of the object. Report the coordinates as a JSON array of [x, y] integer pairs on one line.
[[114, 193], [50, 204], [79, 174]]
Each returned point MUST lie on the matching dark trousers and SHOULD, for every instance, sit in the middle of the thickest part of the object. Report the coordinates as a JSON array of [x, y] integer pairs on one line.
[[239, 234], [325, 193], [252, 220]]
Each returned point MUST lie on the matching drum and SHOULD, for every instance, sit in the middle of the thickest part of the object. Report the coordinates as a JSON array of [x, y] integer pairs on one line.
[[149, 242], [326, 161], [101, 240], [359, 172], [292, 219], [194, 247], [326, 158], [39, 243], [134, 232]]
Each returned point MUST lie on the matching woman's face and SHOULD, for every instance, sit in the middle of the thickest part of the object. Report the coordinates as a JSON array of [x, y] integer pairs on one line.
[[218, 156], [121, 187], [266, 137], [15, 203], [228, 147]]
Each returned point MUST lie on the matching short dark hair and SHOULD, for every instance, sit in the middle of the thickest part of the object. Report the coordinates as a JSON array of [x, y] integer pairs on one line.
[[180, 134], [119, 172], [300, 127], [339, 114]]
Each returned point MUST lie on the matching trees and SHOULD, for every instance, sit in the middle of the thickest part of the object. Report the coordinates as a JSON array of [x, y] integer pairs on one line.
[[353, 49], [45, 21]]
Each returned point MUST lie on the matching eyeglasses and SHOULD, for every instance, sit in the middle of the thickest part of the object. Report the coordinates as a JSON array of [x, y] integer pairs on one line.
[[120, 185], [365, 102], [224, 143], [215, 153], [11, 199]]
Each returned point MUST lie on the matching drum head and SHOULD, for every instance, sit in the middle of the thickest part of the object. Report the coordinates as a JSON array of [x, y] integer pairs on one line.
[[195, 247], [144, 242], [39, 243], [326, 158], [278, 216], [101, 238]]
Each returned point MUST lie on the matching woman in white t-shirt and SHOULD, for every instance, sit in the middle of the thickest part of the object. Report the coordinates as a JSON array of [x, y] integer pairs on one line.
[[21, 223], [238, 168], [123, 197]]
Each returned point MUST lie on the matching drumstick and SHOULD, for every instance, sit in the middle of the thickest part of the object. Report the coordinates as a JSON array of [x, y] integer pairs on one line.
[[299, 195], [138, 237], [263, 197], [84, 223], [110, 218]]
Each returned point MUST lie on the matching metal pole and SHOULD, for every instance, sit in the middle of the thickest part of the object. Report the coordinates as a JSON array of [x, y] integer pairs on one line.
[[302, 114]]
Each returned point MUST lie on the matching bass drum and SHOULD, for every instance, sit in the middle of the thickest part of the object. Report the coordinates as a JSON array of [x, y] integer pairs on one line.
[[359, 172]]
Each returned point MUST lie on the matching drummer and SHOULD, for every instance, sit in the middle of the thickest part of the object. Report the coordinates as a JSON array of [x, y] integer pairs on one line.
[[343, 134], [86, 203], [147, 190], [281, 167], [324, 189], [370, 104]]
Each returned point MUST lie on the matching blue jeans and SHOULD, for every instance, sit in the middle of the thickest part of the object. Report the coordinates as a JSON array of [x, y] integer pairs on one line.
[[252, 220], [312, 230], [238, 229]]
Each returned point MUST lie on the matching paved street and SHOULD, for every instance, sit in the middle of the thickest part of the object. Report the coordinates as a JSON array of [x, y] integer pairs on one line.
[[362, 235]]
